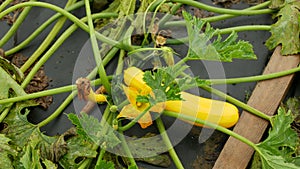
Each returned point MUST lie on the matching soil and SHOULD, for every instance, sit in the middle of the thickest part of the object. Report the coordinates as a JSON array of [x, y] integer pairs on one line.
[[39, 82]]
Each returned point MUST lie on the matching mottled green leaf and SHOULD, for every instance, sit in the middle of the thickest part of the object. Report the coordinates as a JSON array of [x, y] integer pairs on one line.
[[146, 147], [5, 151], [89, 128], [286, 30], [11, 69], [78, 150], [277, 150], [203, 47], [293, 104], [31, 157], [7, 82], [275, 4], [18, 128], [271, 161]]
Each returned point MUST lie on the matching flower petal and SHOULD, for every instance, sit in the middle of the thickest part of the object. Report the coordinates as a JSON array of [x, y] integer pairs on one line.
[[130, 112], [133, 77]]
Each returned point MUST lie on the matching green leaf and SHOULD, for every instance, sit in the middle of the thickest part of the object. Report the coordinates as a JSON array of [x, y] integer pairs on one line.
[[7, 82], [127, 7], [11, 69], [31, 157], [32, 146], [277, 150], [271, 161], [147, 146], [286, 30], [163, 84], [230, 49], [201, 47], [78, 150], [161, 160], [18, 128], [49, 164], [293, 104], [275, 4], [105, 165], [89, 128], [5, 151], [281, 134]]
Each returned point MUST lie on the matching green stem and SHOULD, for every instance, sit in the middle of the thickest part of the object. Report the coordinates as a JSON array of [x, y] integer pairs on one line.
[[236, 102], [151, 23], [164, 135], [5, 112], [38, 94], [216, 18], [126, 149], [107, 117], [16, 24], [120, 66], [245, 28], [211, 125], [253, 78], [4, 4], [134, 121], [154, 5], [223, 10], [100, 157], [224, 31], [44, 45], [98, 59], [144, 49], [67, 14], [86, 163], [53, 48], [58, 111], [40, 29]]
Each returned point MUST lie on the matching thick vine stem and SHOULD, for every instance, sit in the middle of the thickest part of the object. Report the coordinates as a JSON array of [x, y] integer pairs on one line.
[[16, 25], [225, 31], [164, 135], [47, 41], [223, 10], [4, 4], [252, 78], [127, 150], [216, 18], [40, 29], [98, 59], [67, 14], [53, 48]]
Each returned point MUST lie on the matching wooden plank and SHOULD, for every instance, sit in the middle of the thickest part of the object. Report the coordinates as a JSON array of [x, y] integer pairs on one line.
[[266, 97]]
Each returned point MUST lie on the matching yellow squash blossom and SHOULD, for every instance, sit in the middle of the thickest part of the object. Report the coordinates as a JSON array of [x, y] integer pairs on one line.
[[218, 112], [133, 109]]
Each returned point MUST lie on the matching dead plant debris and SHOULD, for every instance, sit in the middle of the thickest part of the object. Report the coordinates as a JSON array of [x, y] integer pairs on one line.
[[39, 82]]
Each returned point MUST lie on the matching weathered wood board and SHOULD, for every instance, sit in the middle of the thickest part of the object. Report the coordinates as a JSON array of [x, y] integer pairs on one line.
[[266, 97]]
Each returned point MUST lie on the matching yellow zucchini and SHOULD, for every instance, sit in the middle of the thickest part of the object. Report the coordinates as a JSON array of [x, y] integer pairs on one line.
[[218, 112]]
